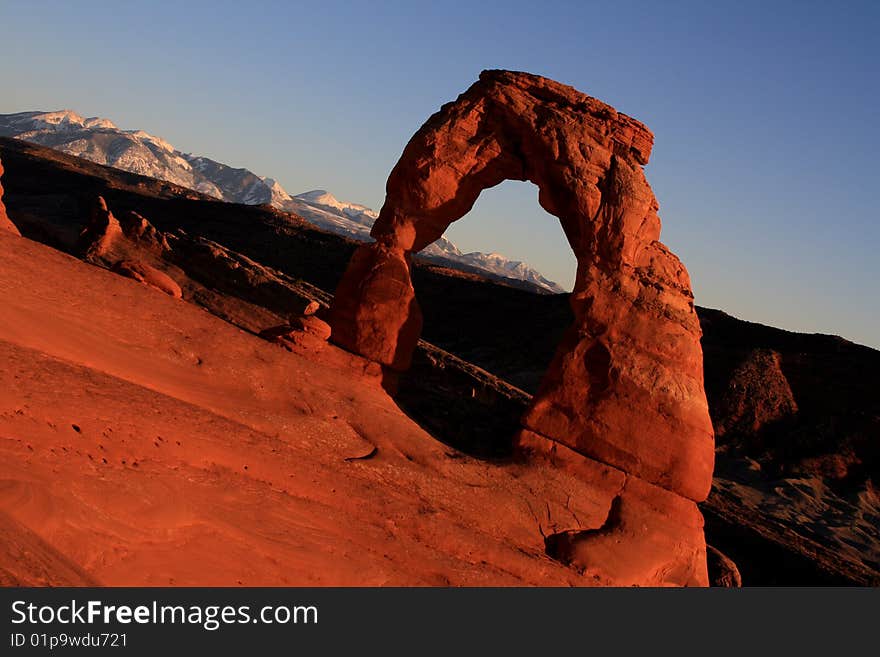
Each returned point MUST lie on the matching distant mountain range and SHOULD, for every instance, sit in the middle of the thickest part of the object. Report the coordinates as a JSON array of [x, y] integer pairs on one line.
[[100, 141]]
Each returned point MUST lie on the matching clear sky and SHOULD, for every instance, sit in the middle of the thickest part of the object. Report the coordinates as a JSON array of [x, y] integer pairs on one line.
[[765, 116]]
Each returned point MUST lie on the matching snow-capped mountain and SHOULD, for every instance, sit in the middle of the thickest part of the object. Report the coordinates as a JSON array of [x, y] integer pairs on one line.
[[324, 210], [101, 141], [323, 199], [493, 263]]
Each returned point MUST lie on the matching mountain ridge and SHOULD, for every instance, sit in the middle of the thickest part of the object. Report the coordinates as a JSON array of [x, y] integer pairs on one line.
[[137, 151]]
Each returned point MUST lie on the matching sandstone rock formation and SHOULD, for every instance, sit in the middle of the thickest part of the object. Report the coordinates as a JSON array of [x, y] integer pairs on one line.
[[723, 572], [99, 235], [127, 247], [626, 385], [229, 284], [5, 222], [149, 276], [307, 331], [758, 395], [138, 229], [650, 537], [108, 240]]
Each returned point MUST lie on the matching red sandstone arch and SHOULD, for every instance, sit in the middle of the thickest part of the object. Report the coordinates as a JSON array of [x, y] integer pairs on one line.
[[626, 385]]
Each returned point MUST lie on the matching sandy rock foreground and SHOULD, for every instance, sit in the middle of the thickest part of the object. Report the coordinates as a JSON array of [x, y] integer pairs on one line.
[[143, 441]]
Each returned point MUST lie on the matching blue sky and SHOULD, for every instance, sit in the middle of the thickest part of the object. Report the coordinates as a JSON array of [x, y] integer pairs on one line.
[[765, 116]]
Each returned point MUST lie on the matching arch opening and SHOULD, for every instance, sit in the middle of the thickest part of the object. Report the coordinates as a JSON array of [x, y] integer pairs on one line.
[[508, 219], [461, 314], [481, 320]]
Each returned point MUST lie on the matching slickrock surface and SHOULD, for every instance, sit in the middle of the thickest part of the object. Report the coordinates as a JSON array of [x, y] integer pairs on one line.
[[144, 441]]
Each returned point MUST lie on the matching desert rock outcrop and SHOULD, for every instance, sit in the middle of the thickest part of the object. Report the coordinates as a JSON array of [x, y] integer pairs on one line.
[[723, 572], [108, 240], [307, 331], [100, 234], [5, 222], [757, 395], [138, 229], [149, 276], [125, 246], [626, 385]]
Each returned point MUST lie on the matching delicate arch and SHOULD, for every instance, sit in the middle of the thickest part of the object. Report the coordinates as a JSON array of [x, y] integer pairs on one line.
[[626, 385]]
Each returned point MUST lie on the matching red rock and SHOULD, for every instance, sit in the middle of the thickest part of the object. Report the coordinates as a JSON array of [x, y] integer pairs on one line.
[[192, 400], [307, 331], [5, 221], [127, 248], [107, 240], [626, 385], [757, 395], [311, 308], [374, 312], [722, 569], [28, 560], [103, 230], [312, 325], [140, 230], [150, 276], [651, 536]]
